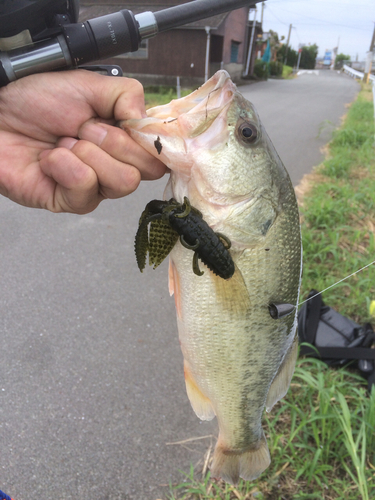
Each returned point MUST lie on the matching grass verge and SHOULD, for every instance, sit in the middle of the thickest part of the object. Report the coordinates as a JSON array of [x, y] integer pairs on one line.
[[156, 95], [338, 215], [322, 434], [287, 72]]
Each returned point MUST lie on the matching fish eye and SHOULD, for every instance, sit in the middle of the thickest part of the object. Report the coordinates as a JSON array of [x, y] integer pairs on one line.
[[247, 132]]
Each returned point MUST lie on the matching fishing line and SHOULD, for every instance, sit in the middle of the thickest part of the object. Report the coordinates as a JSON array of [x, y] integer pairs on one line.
[[337, 282]]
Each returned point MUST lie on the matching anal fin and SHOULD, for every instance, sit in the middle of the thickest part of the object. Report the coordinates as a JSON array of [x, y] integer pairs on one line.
[[200, 403], [281, 382]]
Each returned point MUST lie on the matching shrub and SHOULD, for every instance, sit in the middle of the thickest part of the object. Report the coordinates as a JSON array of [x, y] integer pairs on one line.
[[292, 56], [261, 69], [308, 56], [340, 60], [276, 68]]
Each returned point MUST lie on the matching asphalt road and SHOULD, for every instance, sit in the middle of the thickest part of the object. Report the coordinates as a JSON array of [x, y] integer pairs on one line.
[[300, 115], [91, 381]]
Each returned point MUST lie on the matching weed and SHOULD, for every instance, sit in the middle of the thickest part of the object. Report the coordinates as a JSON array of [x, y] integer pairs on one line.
[[156, 95]]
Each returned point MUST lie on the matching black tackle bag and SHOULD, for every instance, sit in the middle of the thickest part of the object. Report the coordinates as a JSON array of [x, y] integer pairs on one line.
[[338, 339]]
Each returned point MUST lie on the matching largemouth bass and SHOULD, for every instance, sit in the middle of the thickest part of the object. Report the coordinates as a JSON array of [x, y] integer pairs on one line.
[[237, 358]]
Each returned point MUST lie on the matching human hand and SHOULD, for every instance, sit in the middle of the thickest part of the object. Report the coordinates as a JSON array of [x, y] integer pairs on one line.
[[59, 149]]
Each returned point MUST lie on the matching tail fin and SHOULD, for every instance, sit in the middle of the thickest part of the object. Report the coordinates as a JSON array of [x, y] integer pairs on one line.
[[230, 465]]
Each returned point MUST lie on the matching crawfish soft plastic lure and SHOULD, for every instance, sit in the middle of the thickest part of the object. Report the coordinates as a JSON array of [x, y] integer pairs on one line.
[[170, 220]]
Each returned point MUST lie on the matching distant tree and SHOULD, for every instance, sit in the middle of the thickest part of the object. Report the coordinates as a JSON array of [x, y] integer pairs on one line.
[[341, 59], [308, 56], [292, 56], [275, 43]]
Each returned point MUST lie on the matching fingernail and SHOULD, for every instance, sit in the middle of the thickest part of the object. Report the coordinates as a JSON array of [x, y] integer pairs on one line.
[[93, 133], [66, 142], [44, 153]]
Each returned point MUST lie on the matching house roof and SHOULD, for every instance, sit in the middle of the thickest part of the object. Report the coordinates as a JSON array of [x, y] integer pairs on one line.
[[91, 9]]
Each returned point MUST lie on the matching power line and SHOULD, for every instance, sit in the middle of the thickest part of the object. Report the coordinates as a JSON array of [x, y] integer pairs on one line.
[[280, 21], [338, 3], [295, 29], [321, 22], [331, 24]]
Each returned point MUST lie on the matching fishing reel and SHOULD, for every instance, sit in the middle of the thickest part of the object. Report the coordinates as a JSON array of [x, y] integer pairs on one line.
[[27, 21], [45, 35]]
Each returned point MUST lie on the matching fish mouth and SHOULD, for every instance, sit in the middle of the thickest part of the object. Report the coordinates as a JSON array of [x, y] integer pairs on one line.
[[212, 96], [171, 131]]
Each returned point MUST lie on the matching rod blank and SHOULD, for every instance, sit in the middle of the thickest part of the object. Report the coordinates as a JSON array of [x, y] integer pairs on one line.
[[196, 10]]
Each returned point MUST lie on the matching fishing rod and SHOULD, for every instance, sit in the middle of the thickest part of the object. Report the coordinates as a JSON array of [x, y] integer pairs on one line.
[[45, 35]]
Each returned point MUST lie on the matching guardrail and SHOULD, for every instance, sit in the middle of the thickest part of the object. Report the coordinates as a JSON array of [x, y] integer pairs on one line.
[[308, 71], [356, 74]]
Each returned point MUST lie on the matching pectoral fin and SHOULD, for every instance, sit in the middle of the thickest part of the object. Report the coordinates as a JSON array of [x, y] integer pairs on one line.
[[232, 294], [281, 382]]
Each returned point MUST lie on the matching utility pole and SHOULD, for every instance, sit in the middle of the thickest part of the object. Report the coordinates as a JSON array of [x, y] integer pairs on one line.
[[300, 48], [370, 56], [251, 45], [261, 18], [287, 44], [207, 62]]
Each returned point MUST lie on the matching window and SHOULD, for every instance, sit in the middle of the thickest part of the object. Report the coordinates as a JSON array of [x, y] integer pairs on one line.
[[141, 53], [234, 51]]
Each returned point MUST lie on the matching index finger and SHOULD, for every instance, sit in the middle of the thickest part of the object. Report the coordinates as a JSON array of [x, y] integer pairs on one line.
[[117, 143], [118, 98]]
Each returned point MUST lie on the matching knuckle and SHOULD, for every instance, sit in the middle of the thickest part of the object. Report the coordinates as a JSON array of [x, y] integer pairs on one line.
[[156, 170], [125, 182], [58, 155], [83, 149], [84, 176], [117, 140], [131, 180], [77, 173], [135, 85]]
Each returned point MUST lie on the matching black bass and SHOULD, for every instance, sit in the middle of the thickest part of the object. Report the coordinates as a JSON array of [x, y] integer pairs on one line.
[[238, 359]]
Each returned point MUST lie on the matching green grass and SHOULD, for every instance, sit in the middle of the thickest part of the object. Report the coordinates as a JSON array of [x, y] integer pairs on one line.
[[322, 434], [321, 440], [287, 72], [156, 95], [332, 430], [339, 215]]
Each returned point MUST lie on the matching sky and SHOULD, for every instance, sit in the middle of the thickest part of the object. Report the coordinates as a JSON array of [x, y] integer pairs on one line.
[[327, 23]]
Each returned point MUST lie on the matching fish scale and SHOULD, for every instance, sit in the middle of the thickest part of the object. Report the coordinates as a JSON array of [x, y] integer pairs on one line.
[[238, 360]]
